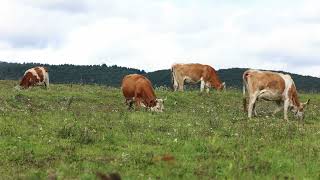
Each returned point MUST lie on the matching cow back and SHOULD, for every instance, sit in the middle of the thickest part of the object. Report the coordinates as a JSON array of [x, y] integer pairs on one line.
[[138, 86], [259, 80]]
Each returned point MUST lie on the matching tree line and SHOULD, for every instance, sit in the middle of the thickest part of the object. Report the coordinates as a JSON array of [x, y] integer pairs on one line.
[[112, 75]]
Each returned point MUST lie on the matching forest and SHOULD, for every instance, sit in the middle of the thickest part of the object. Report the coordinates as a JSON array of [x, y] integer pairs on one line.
[[112, 75]]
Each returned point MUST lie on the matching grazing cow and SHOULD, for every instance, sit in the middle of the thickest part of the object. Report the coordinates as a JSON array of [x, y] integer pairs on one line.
[[35, 76], [137, 88], [193, 73], [272, 86]]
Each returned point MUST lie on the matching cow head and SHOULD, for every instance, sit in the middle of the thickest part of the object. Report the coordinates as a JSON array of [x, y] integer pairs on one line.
[[222, 86], [299, 110], [159, 107]]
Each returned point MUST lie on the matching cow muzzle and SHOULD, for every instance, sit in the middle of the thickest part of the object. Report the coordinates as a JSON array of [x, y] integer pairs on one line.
[[159, 107], [299, 115]]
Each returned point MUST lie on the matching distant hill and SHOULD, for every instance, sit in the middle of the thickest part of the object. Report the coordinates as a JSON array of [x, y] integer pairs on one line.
[[112, 75], [66, 73]]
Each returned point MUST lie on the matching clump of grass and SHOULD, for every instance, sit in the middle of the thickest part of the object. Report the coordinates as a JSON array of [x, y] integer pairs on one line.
[[82, 135]]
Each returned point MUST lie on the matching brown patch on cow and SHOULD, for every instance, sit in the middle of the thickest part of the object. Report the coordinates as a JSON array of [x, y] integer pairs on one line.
[[273, 84], [28, 80], [40, 73], [266, 80], [293, 95]]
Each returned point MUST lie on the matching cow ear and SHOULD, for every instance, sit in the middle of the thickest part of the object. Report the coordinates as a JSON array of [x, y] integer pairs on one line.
[[224, 86]]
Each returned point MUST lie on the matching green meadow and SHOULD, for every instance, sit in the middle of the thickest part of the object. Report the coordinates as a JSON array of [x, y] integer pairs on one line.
[[74, 131]]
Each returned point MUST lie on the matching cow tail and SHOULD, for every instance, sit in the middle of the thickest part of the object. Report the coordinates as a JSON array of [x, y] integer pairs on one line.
[[245, 108], [172, 77]]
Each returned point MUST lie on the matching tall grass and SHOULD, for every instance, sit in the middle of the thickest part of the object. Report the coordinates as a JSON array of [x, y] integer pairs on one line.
[[74, 131]]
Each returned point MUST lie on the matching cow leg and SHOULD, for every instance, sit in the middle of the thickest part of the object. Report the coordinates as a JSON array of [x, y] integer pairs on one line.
[[138, 103], [252, 101], [202, 85], [286, 107], [207, 86], [46, 81], [278, 109], [254, 109], [45, 84], [129, 103], [175, 86], [180, 85]]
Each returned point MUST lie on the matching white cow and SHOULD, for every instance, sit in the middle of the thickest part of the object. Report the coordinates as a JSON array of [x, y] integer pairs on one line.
[[272, 86]]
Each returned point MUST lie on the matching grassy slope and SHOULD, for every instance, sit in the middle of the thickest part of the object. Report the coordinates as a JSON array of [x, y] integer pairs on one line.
[[75, 131]]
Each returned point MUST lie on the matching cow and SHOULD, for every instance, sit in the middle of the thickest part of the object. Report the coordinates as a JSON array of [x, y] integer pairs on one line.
[[193, 73], [138, 89], [271, 86], [35, 76]]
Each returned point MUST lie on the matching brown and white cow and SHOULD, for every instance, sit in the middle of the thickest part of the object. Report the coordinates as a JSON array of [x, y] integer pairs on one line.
[[193, 73], [137, 88], [35, 76], [272, 86]]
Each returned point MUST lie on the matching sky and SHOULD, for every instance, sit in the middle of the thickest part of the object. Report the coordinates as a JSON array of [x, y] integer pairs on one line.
[[154, 34]]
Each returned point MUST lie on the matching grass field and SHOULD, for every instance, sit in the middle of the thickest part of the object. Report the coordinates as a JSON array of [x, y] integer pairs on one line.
[[75, 131]]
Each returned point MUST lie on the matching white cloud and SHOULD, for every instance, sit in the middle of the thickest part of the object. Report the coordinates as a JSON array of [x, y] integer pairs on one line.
[[152, 35]]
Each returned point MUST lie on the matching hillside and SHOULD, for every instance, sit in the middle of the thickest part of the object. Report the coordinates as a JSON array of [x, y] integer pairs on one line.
[[66, 73], [112, 75], [74, 131]]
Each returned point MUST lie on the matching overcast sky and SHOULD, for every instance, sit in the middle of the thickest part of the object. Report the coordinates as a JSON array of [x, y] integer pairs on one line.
[[153, 34]]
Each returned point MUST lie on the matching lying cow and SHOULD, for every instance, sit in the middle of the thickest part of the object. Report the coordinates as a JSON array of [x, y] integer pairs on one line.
[[272, 86], [35, 76], [138, 89], [194, 73]]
